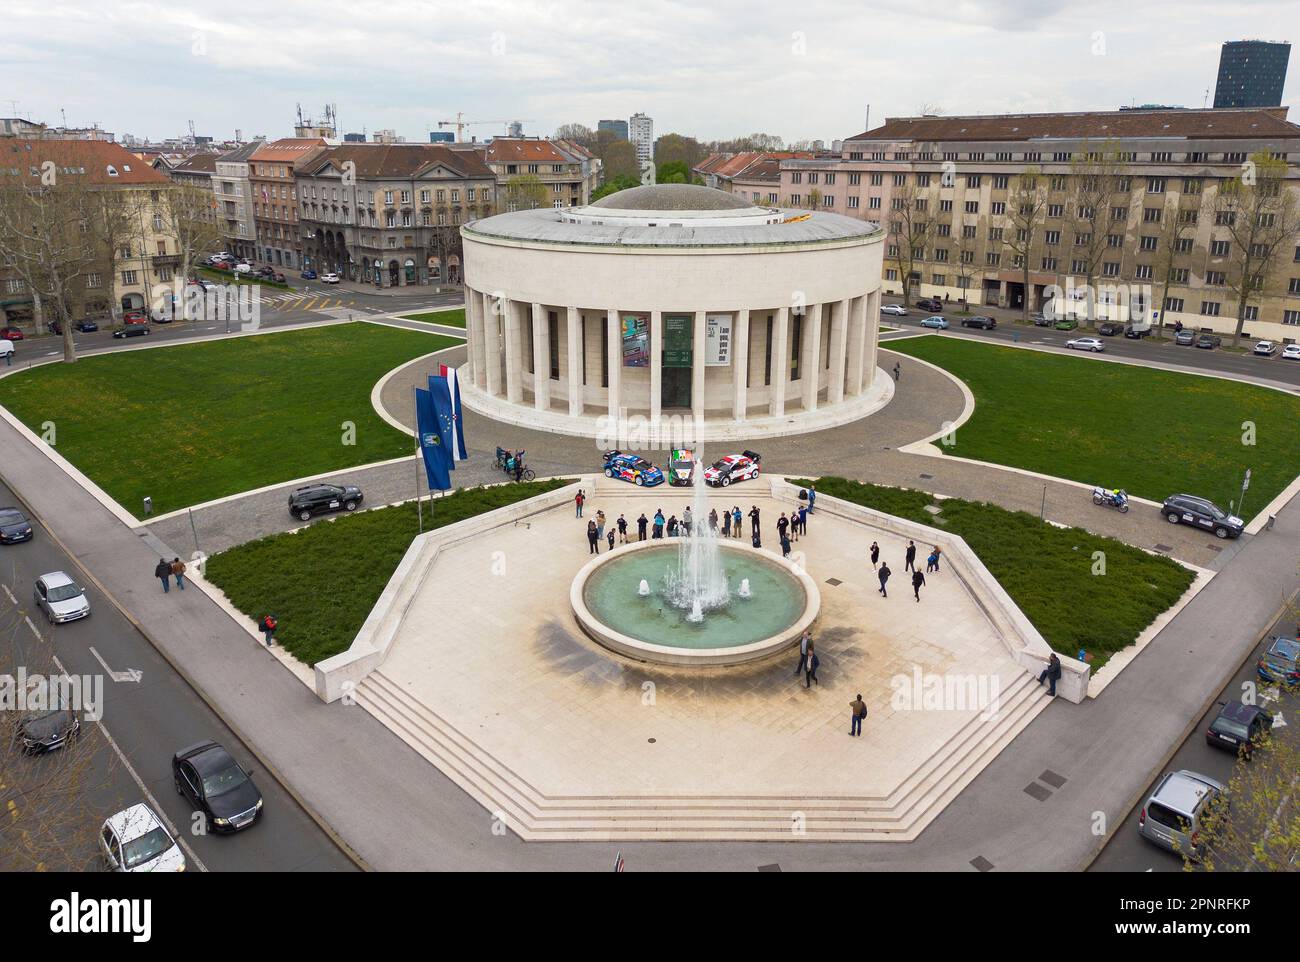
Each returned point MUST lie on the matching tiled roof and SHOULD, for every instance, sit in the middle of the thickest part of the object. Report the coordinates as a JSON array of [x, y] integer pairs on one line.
[[96, 157], [240, 154], [199, 164], [288, 149], [1210, 124], [398, 160], [509, 150]]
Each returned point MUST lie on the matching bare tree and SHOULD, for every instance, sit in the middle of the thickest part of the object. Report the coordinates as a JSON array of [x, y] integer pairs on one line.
[[910, 228], [187, 214], [1026, 202], [1258, 213], [1096, 178], [1175, 241]]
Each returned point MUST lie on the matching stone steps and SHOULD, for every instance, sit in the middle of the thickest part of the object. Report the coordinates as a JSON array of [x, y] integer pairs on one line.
[[900, 816]]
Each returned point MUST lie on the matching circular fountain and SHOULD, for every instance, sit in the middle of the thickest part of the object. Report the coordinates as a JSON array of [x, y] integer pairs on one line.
[[694, 600]]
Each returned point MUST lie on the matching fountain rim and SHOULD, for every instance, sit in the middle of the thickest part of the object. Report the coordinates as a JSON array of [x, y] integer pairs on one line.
[[624, 644]]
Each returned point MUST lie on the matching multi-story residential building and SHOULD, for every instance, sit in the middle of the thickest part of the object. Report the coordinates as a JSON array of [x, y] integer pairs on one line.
[[641, 131], [17, 127], [755, 174], [616, 127], [568, 171], [389, 214], [196, 170], [1252, 73], [137, 264], [955, 178], [234, 195], [274, 197]]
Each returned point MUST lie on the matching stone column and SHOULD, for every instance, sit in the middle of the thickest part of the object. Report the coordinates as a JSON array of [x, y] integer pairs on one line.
[[872, 337], [699, 347], [514, 361], [492, 345], [839, 349], [576, 347], [474, 334], [614, 361], [656, 367], [857, 343], [810, 368], [740, 364], [780, 361], [541, 359]]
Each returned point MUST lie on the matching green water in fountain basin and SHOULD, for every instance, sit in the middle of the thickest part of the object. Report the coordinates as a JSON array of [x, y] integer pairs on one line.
[[611, 594]]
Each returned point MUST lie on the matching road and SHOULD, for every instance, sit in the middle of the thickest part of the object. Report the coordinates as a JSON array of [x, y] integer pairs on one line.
[[1129, 852], [1142, 349], [149, 719]]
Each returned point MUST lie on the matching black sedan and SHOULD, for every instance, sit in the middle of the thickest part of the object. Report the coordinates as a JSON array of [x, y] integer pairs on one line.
[[14, 526], [1239, 728], [87, 327], [216, 785], [979, 321], [1208, 342], [131, 330], [44, 731]]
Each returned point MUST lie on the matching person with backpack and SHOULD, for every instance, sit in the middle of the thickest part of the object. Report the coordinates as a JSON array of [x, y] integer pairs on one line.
[[163, 571], [858, 709], [659, 523], [267, 627], [579, 499], [932, 562]]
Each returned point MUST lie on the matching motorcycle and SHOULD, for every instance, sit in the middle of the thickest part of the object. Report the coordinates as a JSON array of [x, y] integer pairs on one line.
[[1111, 499]]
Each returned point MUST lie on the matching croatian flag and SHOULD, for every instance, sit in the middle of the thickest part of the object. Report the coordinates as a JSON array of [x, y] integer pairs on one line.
[[453, 387]]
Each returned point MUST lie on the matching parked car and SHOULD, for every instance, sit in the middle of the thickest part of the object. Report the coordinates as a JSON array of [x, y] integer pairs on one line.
[[930, 304], [54, 327], [12, 334], [1291, 352], [1173, 816], [46, 729], [87, 326], [1040, 319], [215, 784], [138, 316], [14, 526], [308, 275], [1136, 332], [1208, 342], [1265, 349], [897, 310], [135, 840], [1086, 344], [1066, 324], [243, 268], [131, 330], [1110, 329], [681, 467], [734, 467], [1189, 509], [61, 598], [223, 265], [221, 256], [1239, 728], [1185, 337], [979, 321], [330, 278], [313, 499], [633, 468], [1281, 663], [269, 274], [936, 322]]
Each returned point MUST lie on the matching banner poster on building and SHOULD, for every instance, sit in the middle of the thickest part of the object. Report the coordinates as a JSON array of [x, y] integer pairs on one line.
[[679, 344], [636, 340], [717, 340]]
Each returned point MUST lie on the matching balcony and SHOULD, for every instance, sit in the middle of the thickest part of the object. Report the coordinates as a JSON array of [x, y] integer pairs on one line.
[[166, 260]]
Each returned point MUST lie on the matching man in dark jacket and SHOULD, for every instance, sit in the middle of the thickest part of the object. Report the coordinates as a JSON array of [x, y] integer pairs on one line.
[[753, 519], [1051, 673], [910, 557], [641, 523], [918, 579], [163, 571], [884, 577]]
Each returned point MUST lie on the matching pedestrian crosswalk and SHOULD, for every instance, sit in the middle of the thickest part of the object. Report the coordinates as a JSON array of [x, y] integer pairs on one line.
[[305, 301]]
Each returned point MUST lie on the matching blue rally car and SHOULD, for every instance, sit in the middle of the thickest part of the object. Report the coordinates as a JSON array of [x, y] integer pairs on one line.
[[1281, 663], [631, 467]]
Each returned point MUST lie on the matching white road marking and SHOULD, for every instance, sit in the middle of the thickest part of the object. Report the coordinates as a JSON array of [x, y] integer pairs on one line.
[[131, 674], [135, 776]]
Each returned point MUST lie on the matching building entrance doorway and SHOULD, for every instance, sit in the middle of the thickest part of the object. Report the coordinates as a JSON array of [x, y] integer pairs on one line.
[[678, 347]]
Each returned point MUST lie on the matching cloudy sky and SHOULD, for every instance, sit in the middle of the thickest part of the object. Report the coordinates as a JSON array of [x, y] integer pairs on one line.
[[710, 69]]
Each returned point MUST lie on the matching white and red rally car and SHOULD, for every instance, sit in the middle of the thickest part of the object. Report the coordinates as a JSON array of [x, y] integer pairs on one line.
[[734, 467]]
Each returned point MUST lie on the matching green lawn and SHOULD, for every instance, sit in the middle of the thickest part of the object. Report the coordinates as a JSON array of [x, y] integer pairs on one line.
[[1046, 570], [191, 423], [454, 318], [1153, 433], [230, 277], [320, 582]]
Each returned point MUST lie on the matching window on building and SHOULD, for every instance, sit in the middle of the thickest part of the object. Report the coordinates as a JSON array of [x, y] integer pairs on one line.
[[1220, 248], [1178, 275], [1174, 304], [1210, 308], [972, 207], [1052, 237], [1152, 215]]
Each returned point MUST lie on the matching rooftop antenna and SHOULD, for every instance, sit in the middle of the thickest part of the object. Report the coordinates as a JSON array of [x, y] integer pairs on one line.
[[1206, 102]]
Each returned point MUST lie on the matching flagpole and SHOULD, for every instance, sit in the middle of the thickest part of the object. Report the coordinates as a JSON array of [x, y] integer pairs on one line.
[[419, 501]]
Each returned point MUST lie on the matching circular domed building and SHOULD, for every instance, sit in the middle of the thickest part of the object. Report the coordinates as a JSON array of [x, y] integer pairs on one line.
[[673, 300]]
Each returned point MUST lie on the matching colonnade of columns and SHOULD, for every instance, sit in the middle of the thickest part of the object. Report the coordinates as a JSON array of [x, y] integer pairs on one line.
[[495, 326]]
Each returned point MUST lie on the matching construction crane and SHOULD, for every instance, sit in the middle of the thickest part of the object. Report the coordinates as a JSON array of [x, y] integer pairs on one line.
[[460, 124]]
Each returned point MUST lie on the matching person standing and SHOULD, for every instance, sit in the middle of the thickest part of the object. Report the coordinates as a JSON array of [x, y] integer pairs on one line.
[[610, 538], [735, 521], [911, 557], [810, 669], [641, 524], [875, 555], [812, 498], [686, 521], [898, 369], [267, 627], [713, 521], [622, 529], [785, 546], [178, 572], [918, 579], [579, 499], [858, 707], [782, 526], [884, 577], [7, 351], [932, 563], [804, 641], [726, 523], [593, 538], [672, 526], [935, 555], [1052, 672], [803, 517], [659, 523], [600, 524], [163, 571], [753, 519]]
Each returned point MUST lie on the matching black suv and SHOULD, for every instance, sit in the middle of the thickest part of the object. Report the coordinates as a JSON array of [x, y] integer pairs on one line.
[[1110, 329], [930, 304], [322, 499], [1209, 341], [983, 323], [1189, 509]]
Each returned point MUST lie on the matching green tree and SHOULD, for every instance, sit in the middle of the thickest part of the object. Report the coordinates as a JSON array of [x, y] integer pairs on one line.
[[622, 182], [620, 160], [526, 192]]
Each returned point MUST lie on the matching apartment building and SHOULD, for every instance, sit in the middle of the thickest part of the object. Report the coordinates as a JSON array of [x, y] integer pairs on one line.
[[389, 214], [641, 131], [274, 197], [568, 171], [956, 179], [234, 195], [753, 174]]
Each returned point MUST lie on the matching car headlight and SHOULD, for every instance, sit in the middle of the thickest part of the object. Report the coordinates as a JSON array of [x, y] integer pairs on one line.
[[259, 804], [221, 821]]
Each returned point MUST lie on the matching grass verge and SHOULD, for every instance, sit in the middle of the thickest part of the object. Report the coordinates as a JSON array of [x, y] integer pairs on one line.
[[454, 318], [1047, 571], [322, 581]]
